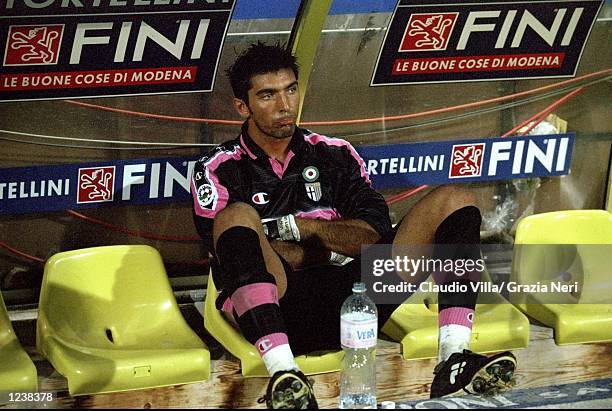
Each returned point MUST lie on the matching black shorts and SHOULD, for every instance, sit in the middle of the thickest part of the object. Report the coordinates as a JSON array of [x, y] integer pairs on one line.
[[311, 305]]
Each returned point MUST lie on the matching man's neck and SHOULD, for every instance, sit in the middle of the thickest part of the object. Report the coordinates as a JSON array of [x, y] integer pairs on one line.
[[273, 147]]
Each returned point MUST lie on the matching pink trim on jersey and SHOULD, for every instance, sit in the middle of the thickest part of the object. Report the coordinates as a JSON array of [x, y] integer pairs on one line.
[[279, 169], [456, 315], [315, 138], [320, 213], [253, 156], [247, 297], [266, 343], [222, 195]]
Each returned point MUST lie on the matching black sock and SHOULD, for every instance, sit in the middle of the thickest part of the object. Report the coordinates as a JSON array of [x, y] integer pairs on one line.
[[240, 258], [242, 263], [458, 237]]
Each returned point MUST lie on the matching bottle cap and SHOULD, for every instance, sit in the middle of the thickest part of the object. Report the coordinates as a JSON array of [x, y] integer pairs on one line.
[[359, 287], [387, 404]]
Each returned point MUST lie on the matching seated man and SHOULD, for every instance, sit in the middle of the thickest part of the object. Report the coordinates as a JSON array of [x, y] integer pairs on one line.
[[280, 207]]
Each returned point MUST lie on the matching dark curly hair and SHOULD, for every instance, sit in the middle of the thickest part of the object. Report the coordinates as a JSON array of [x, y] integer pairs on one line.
[[259, 58]]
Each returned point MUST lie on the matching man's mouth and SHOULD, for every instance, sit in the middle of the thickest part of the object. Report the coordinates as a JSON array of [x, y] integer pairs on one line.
[[285, 122]]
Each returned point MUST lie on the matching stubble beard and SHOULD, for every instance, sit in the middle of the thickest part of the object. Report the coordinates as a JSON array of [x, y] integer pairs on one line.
[[280, 133]]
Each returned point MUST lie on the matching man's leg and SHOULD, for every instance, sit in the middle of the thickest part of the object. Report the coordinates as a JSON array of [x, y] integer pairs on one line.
[[448, 218], [457, 238], [253, 277]]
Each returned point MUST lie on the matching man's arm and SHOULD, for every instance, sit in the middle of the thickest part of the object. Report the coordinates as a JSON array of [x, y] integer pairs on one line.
[[319, 238], [364, 212], [300, 255], [342, 236]]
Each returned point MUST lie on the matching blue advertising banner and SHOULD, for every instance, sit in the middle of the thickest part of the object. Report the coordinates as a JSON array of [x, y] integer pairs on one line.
[[166, 180], [60, 49], [438, 41], [464, 161]]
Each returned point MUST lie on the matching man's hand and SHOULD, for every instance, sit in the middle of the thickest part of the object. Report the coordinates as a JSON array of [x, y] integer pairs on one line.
[[282, 228]]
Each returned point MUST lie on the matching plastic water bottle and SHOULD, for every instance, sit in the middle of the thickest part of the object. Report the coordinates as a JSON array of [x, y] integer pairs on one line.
[[358, 334]]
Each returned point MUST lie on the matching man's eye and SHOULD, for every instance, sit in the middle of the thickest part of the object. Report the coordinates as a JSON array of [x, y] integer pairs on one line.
[[266, 96], [292, 89]]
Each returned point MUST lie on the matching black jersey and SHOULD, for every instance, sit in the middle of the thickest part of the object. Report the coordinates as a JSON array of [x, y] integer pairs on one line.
[[321, 178]]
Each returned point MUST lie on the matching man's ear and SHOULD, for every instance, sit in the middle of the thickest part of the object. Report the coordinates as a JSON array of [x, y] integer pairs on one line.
[[242, 108]]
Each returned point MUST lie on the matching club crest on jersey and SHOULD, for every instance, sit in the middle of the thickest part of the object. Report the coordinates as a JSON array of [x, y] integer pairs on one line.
[[207, 196], [260, 198], [310, 174], [313, 191]]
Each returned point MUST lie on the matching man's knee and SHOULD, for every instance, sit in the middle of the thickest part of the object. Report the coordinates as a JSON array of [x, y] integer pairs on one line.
[[240, 257], [236, 214], [454, 197]]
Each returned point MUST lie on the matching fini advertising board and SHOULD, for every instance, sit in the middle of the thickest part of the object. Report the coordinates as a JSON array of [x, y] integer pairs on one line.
[[93, 48], [435, 41]]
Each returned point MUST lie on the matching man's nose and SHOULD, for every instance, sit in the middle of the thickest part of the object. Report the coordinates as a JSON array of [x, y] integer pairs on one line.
[[282, 102]]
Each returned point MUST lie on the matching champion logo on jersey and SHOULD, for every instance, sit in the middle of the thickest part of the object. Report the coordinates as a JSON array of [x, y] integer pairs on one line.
[[260, 198]]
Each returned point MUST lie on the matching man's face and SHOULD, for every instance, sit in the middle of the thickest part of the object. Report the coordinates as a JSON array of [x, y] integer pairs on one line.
[[273, 103]]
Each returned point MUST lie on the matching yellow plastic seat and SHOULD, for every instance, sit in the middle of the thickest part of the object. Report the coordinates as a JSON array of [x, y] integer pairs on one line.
[[108, 322], [498, 326], [17, 371], [584, 316], [250, 361]]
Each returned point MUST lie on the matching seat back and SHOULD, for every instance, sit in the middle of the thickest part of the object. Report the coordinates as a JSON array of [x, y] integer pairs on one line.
[[7, 334], [566, 227], [574, 247], [113, 296], [498, 326], [17, 371]]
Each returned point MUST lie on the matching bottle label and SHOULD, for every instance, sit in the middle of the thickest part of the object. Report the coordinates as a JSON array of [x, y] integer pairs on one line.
[[358, 334]]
